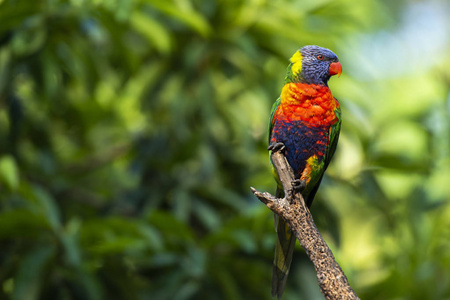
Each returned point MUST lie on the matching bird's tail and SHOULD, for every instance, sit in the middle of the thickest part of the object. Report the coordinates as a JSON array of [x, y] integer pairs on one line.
[[284, 250]]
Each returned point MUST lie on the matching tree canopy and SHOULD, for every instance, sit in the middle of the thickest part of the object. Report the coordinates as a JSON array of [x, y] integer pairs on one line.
[[131, 131]]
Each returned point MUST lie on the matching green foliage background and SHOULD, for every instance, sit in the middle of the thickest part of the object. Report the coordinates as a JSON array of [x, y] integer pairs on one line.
[[131, 131]]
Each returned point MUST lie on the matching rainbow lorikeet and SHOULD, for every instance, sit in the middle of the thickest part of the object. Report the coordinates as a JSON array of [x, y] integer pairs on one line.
[[305, 123]]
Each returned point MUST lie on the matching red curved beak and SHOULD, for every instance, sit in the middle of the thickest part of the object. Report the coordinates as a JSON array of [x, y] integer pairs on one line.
[[335, 68]]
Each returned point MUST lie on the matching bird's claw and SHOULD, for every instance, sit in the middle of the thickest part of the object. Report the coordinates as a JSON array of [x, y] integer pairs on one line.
[[298, 185], [274, 147]]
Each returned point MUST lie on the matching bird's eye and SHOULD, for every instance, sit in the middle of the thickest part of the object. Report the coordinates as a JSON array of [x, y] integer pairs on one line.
[[320, 57]]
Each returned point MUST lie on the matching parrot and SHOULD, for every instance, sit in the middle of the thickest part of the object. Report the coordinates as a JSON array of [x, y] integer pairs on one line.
[[305, 123]]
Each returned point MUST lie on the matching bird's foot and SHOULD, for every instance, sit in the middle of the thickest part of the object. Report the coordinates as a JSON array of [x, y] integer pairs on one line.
[[274, 147], [298, 185]]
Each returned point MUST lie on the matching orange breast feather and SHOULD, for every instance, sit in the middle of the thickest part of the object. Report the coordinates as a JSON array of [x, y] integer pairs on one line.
[[308, 102]]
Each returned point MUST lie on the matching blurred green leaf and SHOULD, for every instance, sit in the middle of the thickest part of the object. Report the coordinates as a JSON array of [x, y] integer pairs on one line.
[[170, 227], [184, 13], [9, 172], [30, 276], [48, 207], [22, 223], [152, 30], [115, 235]]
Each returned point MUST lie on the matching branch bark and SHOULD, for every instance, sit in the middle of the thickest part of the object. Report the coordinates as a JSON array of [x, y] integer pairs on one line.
[[332, 281]]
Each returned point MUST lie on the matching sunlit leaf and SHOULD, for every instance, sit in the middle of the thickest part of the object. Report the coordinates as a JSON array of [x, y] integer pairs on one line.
[[184, 14], [9, 172], [152, 30]]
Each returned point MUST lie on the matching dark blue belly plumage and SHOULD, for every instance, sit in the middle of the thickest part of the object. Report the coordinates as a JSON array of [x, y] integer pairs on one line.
[[302, 141]]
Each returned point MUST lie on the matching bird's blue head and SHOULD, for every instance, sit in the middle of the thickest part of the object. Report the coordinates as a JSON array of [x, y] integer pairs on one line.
[[313, 65]]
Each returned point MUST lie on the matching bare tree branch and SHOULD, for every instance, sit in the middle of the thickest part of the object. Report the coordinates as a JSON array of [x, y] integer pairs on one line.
[[332, 281]]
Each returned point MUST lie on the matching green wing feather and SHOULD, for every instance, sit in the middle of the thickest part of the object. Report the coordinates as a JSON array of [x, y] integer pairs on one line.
[[333, 138], [335, 129], [272, 114]]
